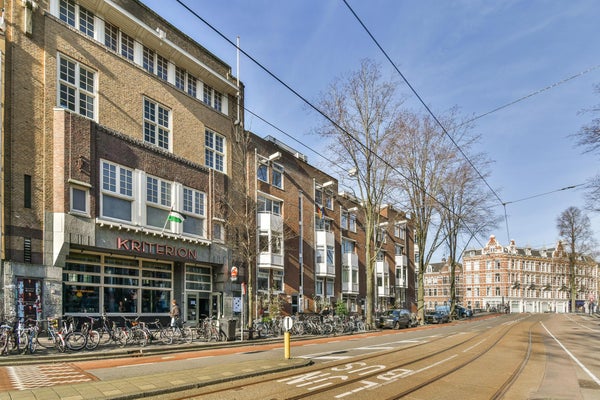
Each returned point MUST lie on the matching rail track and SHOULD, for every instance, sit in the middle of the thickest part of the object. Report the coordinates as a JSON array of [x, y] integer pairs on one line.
[[415, 370]]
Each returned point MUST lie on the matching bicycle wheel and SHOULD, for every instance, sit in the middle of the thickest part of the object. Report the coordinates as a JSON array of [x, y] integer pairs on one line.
[[75, 341], [93, 339], [140, 337], [32, 343], [187, 334]]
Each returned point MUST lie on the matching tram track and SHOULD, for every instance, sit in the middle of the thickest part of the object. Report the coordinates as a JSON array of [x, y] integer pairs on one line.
[[412, 358]]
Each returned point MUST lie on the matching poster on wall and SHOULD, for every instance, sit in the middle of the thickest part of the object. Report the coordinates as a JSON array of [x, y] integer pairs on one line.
[[29, 299]]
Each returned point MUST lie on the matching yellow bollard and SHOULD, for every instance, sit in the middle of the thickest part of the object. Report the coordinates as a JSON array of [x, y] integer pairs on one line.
[[286, 344]]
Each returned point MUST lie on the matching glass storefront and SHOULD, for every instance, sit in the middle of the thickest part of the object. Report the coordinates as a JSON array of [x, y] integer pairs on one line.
[[93, 283]]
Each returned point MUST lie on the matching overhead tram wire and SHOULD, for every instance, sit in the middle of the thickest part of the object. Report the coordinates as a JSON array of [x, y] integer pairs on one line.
[[555, 84], [475, 118], [544, 194], [420, 99], [315, 108], [438, 122]]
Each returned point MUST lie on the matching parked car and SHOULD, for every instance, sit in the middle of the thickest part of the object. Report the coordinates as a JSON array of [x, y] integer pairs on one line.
[[436, 317], [463, 312], [395, 319]]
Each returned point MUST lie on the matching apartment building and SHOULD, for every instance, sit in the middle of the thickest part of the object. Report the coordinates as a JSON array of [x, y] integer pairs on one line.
[[311, 238], [522, 279], [394, 268], [437, 285], [116, 146]]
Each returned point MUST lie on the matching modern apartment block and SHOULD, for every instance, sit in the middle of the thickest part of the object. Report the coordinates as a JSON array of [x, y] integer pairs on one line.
[[121, 175], [522, 279], [311, 238]]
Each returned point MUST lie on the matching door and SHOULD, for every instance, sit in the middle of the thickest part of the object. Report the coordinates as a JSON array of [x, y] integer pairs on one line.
[[216, 305], [192, 304]]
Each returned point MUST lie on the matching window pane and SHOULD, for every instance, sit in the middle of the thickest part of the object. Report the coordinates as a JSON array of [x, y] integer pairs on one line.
[[78, 200], [67, 11], [86, 22], [81, 299], [156, 216], [113, 207], [194, 226]]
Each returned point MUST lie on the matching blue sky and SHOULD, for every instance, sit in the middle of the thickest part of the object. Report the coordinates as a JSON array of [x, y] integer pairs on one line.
[[476, 55]]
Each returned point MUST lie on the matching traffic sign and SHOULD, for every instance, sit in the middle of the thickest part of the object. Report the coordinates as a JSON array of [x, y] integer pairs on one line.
[[287, 323]]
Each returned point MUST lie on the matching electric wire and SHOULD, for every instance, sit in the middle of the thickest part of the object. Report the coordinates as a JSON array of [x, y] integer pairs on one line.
[[361, 144], [312, 106], [435, 118]]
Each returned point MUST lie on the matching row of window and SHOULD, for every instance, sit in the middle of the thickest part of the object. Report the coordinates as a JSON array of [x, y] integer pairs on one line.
[[276, 175], [77, 91], [134, 197], [119, 42]]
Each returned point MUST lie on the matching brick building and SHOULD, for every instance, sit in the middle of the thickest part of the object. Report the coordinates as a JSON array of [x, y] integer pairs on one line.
[[437, 284], [311, 238], [113, 120], [522, 279]]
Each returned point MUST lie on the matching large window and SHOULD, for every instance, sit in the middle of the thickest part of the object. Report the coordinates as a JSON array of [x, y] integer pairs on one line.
[[194, 211], [158, 201], [268, 205], [95, 283], [76, 87], [77, 16], [198, 278], [214, 153], [262, 170], [127, 46], [212, 98], [277, 176], [148, 59], [157, 122], [117, 192]]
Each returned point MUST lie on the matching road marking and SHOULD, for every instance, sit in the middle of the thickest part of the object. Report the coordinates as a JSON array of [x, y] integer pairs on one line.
[[36, 376], [587, 371], [135, 365]]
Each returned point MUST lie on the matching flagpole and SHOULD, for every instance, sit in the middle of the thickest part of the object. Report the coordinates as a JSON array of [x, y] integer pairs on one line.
[[166, 221]]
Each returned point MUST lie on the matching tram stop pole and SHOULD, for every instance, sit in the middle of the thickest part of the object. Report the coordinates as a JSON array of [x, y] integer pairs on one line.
[[287, 326]]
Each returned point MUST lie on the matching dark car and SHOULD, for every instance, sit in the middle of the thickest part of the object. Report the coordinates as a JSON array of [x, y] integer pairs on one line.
[[436, 317], [464, 312], [395, 319]]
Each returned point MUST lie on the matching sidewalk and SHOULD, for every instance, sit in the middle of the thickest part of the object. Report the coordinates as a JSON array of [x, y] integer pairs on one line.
[[155, 385]]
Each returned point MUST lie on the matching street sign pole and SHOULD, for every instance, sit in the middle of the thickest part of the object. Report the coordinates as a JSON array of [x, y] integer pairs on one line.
[[287, 326]]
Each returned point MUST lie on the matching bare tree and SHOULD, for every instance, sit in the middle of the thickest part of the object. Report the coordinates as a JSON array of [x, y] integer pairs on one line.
[[424, 155], [588, 137], [465, 207], [241, 210], [575, 231], [364, 112]]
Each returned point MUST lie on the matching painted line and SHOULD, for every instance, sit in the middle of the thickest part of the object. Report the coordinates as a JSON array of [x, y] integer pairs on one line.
[[475, 345], [135, 365], [587, 371], [430, 366], [200, 358]]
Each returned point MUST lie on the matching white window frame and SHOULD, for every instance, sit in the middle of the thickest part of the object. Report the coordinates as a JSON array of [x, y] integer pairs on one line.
[[161, 200], [153, 127], [70, 82], [124, 188], [215, 155], [193, 207], [277, 171], [262, 170], [86, 193]]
